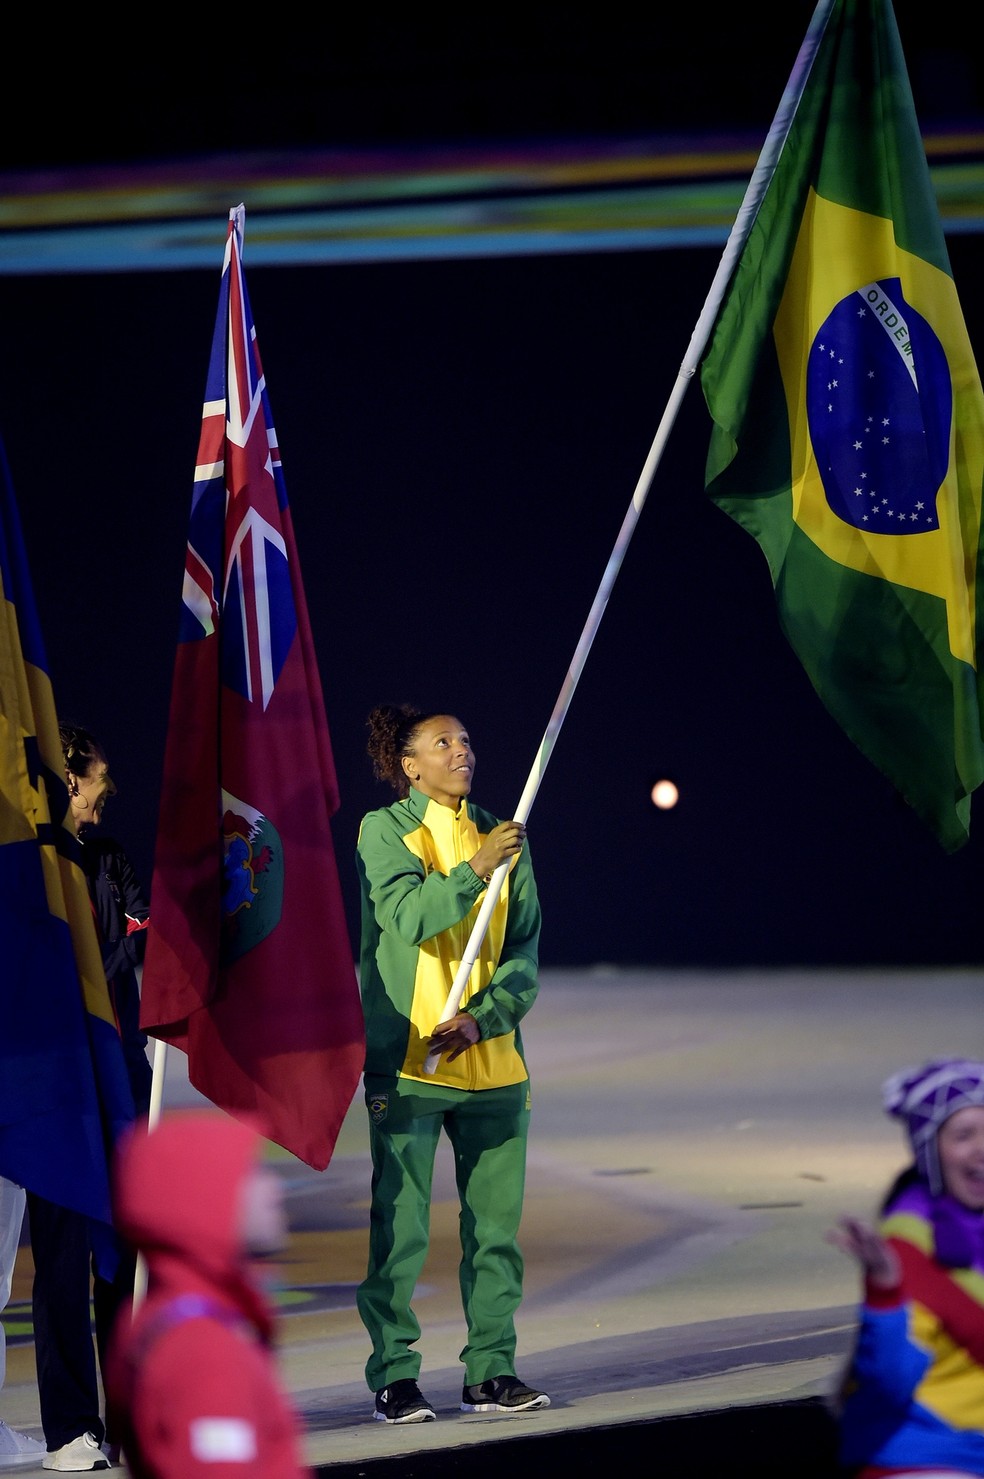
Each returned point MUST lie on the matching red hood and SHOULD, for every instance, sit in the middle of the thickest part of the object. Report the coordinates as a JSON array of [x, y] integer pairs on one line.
[[177, 1189]]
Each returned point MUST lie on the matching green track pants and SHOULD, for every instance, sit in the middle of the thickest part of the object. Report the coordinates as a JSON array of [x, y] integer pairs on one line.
[[488, 1132]]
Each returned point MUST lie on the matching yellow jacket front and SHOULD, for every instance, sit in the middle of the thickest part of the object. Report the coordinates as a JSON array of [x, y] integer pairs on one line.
[[420, 900]]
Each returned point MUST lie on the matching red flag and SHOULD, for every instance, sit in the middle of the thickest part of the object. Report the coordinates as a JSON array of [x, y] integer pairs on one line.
[[248, 966]]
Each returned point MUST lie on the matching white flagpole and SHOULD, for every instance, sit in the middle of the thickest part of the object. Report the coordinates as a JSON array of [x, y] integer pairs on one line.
[[153, 1118], [157, 1083], [748, 210]]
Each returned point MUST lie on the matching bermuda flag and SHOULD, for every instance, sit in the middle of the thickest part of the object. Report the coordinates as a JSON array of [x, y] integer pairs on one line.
[[248, 967]]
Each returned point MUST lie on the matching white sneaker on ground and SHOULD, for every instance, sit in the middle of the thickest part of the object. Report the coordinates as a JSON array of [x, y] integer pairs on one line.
[[17, 1448], [79, 1456]]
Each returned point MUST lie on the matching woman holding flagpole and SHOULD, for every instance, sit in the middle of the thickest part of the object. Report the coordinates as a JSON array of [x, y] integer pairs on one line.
[[424, 863]]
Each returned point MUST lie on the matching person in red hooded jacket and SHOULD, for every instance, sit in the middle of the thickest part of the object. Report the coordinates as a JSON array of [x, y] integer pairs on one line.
[[191, 1380]]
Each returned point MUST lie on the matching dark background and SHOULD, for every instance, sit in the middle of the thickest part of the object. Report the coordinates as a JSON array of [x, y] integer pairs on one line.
[[89, 90], [460, 443]]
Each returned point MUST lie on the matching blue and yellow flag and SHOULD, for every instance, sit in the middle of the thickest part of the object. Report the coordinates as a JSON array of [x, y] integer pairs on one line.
[[849, 422], [64, 1092]]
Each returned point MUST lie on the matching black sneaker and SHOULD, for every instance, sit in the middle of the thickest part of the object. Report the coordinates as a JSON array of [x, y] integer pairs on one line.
[[403, 1402], [502, 1394]]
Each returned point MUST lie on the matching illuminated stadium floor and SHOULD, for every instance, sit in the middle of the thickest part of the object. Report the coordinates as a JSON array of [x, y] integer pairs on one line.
[[694, 1134]]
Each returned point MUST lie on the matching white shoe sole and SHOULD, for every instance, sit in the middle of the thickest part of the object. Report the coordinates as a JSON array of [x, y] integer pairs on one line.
[[541, 1401], [423, 1416]]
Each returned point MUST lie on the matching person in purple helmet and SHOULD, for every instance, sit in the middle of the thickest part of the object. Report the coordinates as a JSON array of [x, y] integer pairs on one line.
[[912, 1401]]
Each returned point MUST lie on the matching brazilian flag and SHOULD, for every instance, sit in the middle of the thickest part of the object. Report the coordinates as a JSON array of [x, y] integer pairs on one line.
[[848, 418]]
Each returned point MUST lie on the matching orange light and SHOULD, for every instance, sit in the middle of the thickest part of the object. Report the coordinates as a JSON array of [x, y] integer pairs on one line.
[[665, 795]]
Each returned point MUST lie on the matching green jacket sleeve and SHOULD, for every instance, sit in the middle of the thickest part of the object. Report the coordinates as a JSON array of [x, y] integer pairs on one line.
[[412, 905]]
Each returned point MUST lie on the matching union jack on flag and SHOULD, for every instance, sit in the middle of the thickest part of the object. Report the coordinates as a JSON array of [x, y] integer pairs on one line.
[[248, 967], [239, 465]]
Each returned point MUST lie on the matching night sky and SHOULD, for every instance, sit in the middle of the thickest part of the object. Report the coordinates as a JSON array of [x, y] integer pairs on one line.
[[460, 443]]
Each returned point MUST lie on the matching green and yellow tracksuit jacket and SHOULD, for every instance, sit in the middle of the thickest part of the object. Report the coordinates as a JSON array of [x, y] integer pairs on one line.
[[420, 901]]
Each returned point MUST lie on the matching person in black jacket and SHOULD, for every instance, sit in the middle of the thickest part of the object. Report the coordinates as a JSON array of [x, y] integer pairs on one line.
[[61, 1239], [122, 914], [120, 907]]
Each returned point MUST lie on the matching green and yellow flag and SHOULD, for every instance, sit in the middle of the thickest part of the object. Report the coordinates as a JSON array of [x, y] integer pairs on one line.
[[849, 422]]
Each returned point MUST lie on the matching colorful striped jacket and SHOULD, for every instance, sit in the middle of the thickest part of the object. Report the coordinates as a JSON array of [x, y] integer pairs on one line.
[[914, 1397]]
